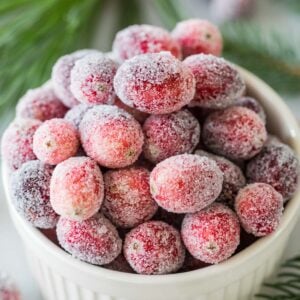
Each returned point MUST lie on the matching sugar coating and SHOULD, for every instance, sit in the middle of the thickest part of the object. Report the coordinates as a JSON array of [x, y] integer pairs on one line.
[[276, 165], [170, 134], [120, 264], [94, 240], [155, 83], [218, 83], [111, 136], [198, 36], [61, 75], [17, 140], [211, 235], [41, 104], [76, 113], [154, 248], [236, 132], [55, 140], [92, 79], [128, 201], [77, 188], [8, 289], [186, 183], [141, 39], [30, 193], [259, 208], [233, 176]]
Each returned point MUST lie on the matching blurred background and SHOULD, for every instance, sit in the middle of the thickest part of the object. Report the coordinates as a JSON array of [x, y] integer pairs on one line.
[[262, 36]]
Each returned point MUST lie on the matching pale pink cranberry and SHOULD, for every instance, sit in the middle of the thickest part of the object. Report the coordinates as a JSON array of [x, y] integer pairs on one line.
[[154, 247], [77, 188], [94, 240], [76, 113], [236, 132], [259, 208], [186, 183], [211, 235], [170, 134], [8, 289], [155, 83], [141, 39], [55, 140], [198, 36]]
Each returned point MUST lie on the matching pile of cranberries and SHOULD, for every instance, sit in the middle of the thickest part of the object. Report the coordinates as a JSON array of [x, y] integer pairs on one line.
[[151, 158]]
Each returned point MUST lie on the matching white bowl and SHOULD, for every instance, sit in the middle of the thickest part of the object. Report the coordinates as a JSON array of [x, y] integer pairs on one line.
[[62, 277]]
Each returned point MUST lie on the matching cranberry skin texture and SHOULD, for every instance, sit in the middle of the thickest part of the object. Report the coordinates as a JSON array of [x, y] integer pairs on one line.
[[111, 136], [218, 83], [128, 201], [94, 240], [92, 79], [77, 188], [55, 141], [236, 132], [142, 39], [30, 193], [198, 36], [259, 208], [156, 83], [17, 142], [276, 165], [154, 248], [211, 235], [41, 104], [170, 134], [76, 113], [185, 183]]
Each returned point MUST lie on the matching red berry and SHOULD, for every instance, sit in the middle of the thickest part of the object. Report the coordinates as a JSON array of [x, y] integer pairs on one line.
[[276, 165], [211, 235], [198, 36], [17, 140], [76, 113], [77, 188], [218, 83], [156, 83], [236, 132], [120, 264], [30, 192], [142, 39], [186, 183], [170, 134], [154, 247], [111, 136], [94, 240], [41, 104], [8, 289], [128, 201], [259, 208], [92, 79], [55, 140]]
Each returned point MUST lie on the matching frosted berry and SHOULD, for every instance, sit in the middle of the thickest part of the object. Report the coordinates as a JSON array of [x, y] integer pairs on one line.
[[211, 235], [92, 79], [8, 289], [198, 36], [141, 39], [170, 134], [154, 247], [30, 193], [94, 240], [111, 136], [41, 104], [76, 113], [120, 264], [186, 183], [218, 83], [156, 83], [276, 165], [259, 208], [55, 140], [77, 188], [128, 200], [17, 142], [236, 132]]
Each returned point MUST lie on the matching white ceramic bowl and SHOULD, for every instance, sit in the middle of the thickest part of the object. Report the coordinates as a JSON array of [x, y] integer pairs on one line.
[[62, 277]]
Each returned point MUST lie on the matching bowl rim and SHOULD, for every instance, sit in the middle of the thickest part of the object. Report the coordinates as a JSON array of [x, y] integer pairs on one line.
[[290, 213]]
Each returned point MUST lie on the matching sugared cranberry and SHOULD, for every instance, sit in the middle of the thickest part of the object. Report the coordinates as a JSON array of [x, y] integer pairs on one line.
[[76, 113], [8, 289]]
